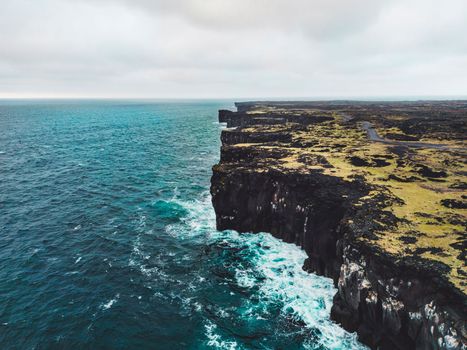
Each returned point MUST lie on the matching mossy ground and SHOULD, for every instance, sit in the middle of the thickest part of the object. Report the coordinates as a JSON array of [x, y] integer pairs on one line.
[[421, 182]]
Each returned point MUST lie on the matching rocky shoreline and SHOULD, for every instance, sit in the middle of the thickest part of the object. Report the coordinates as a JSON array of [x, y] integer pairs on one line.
[[293, 170]]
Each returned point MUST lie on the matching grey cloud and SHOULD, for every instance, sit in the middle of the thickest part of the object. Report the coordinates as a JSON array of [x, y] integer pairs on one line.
[[213, 48], [318, 18]]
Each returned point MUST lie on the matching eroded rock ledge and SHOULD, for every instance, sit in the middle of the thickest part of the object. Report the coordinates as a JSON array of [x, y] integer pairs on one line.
[[373, 216]]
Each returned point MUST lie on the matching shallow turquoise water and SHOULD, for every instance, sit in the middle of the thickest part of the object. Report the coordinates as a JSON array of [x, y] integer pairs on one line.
[[108, 238]]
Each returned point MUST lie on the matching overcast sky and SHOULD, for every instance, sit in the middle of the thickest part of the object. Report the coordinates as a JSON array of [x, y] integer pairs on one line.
[[232, 48]]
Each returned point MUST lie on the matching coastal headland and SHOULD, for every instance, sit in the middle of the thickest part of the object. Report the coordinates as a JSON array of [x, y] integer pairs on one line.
[[374, 192]]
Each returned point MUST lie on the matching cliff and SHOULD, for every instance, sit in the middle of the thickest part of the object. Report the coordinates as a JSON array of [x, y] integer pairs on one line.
[[375, 195]]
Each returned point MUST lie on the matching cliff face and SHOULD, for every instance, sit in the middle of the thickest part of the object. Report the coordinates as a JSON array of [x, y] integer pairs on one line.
[[268, 180], [301, 209], [395, 306]]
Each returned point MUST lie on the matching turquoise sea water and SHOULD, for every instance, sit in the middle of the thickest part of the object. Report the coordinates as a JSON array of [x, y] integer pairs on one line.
[[108, 240]]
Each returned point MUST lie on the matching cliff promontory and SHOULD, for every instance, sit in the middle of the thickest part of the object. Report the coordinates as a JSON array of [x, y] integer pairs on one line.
[[374, 192]]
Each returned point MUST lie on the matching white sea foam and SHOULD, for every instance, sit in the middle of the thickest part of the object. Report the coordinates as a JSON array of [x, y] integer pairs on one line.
[[215, 339], [277, 272], [110, 303], [199, 221], [305, 297], [197, 306], [140, 259], [244, 278]]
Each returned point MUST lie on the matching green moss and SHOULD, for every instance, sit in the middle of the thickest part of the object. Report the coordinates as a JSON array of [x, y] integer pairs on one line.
[[415, 200]]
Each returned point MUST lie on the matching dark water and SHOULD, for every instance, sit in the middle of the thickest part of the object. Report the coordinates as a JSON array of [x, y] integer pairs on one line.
[[108, 238]]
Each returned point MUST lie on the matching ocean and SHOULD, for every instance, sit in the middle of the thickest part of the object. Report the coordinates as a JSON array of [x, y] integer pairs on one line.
[[108, 239]]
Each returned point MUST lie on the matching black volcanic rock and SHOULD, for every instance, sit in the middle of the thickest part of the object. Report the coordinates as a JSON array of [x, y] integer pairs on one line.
[[282, 172]]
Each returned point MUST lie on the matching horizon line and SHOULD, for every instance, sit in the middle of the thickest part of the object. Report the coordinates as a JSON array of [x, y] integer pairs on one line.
[[252, 98]]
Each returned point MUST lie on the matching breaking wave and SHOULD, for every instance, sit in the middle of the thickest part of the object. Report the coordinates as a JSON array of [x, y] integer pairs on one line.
[[268, 275]]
